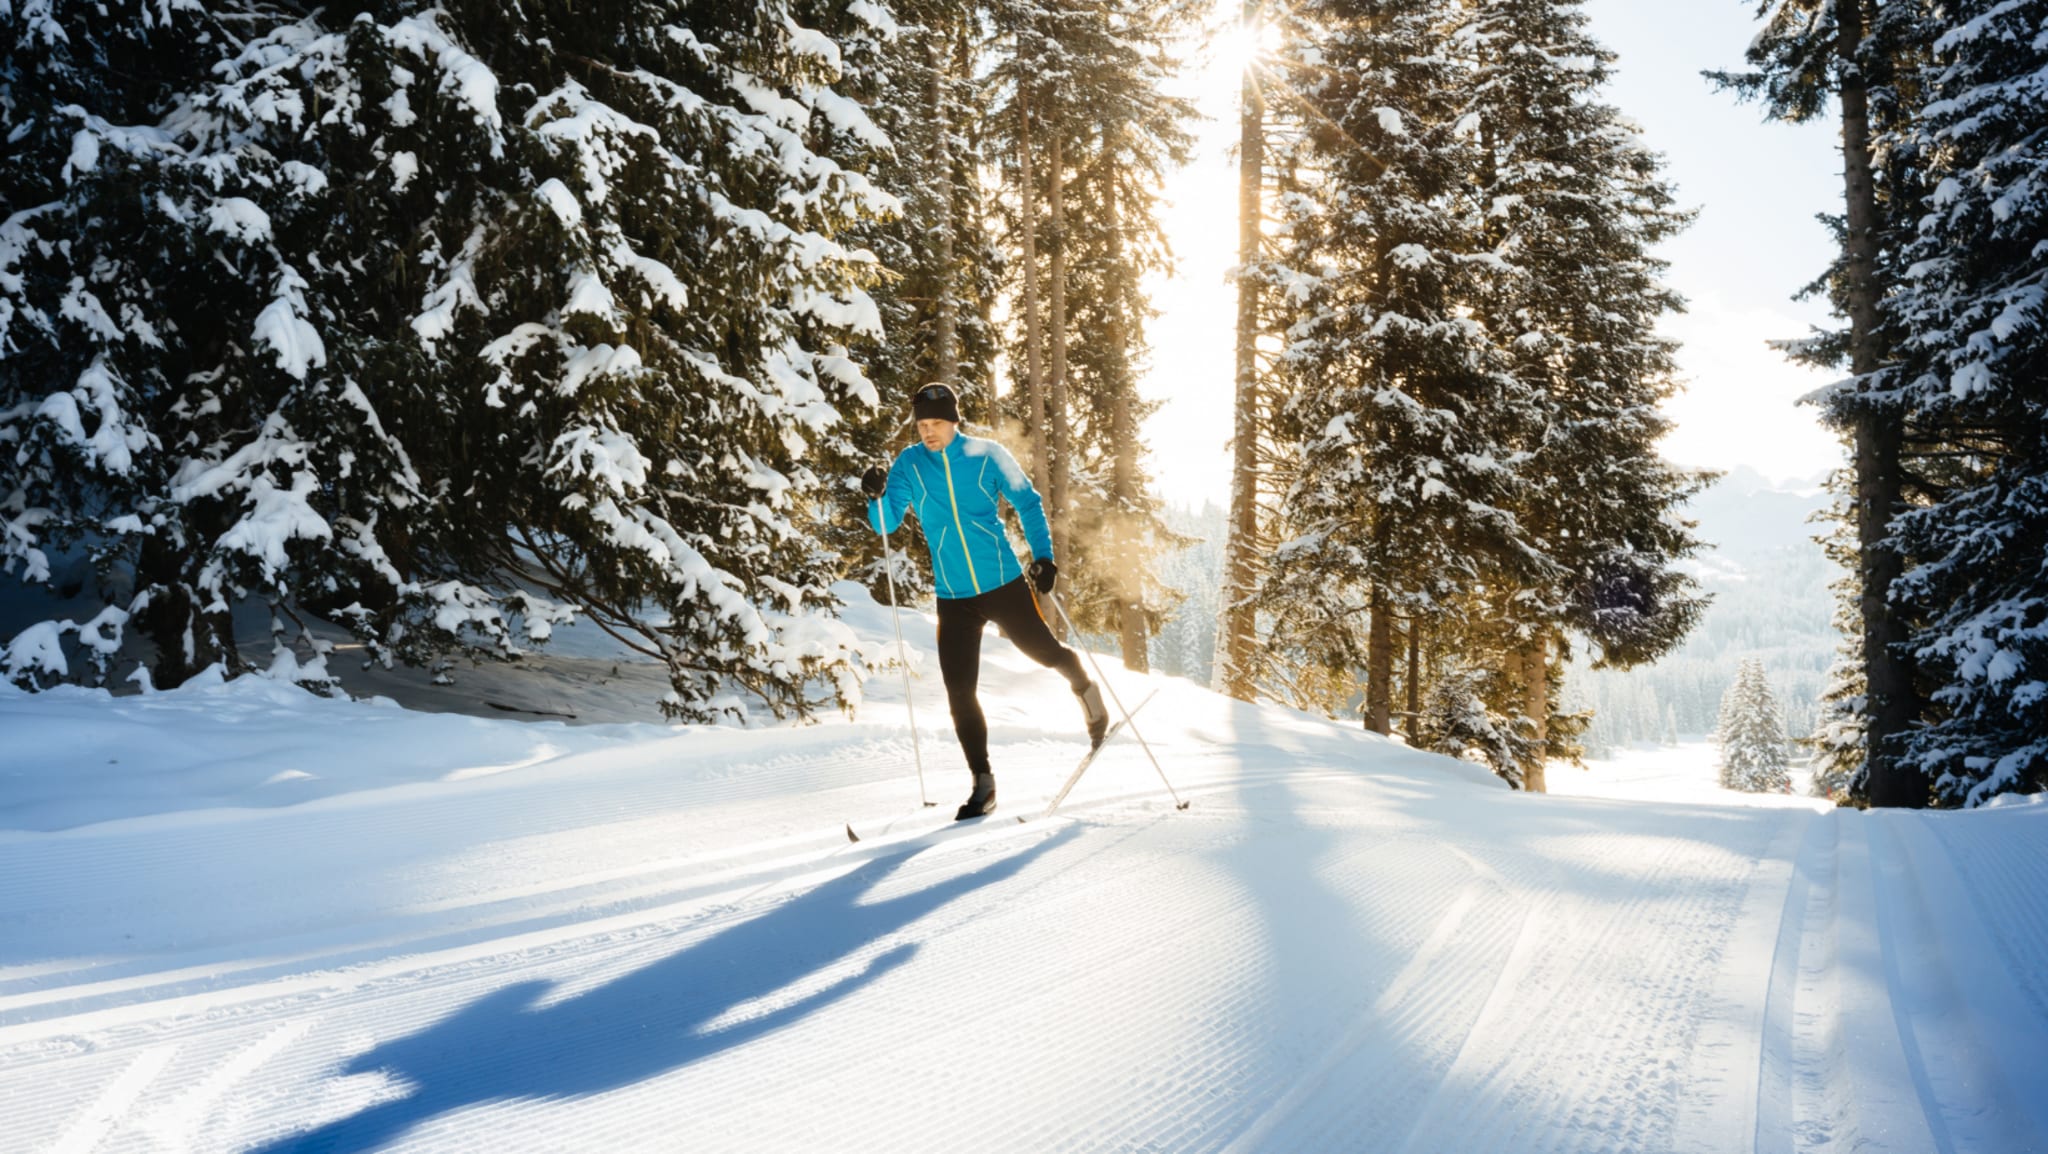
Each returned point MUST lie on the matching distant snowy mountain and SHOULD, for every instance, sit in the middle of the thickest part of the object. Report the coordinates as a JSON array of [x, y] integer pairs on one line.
[[1746, 515]]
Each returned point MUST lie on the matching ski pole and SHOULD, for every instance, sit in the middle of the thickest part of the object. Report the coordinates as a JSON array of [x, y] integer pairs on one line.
[[1104, 679], [903, 659]]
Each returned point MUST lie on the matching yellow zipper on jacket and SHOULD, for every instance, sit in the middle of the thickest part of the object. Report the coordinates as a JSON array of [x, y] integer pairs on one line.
[[957, 526]]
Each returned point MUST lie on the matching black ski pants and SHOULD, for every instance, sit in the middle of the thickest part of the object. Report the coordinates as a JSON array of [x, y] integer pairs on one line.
[[961, 619]]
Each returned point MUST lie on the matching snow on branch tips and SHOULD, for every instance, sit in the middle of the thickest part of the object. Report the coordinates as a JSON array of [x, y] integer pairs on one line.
[[463, 76], [283, 326], [275, 516], [606, 457], [115, 440]]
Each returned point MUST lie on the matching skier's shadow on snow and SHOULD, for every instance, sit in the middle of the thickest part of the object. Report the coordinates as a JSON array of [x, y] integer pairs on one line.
[[655, 1019]]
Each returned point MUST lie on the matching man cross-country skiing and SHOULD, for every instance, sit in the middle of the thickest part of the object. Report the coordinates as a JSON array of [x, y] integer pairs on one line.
[[953, 481]]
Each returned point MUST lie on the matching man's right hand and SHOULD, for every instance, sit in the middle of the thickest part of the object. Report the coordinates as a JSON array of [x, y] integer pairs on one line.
[[874, 482]]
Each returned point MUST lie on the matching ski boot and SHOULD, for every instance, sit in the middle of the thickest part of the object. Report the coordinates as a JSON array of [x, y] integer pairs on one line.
[[1096, 713], [982, 801]]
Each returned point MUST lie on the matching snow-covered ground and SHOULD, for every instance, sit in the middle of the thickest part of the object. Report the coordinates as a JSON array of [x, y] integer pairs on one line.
[[235, 917], [1688, 771]]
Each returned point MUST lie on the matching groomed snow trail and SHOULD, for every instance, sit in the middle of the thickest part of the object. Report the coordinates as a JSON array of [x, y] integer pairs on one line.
[[1343, 945]]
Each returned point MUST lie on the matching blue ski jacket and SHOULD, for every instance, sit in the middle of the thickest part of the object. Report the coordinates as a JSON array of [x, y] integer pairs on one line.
[[954, 493]]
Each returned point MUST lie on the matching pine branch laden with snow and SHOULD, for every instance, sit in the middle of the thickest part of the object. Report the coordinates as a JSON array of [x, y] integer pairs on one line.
[[445, 323], [1751, 735], [1097, 84], [1456, 721], [1974, 307]]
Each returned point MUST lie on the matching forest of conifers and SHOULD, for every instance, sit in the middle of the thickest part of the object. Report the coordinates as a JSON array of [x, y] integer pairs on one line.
[[450, 323]]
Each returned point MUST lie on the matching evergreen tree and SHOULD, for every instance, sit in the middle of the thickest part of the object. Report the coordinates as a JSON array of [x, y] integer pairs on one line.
[[1247, 538], [460, 320], [1398, 400], [1103, 137], [1975, 313], [1838, 737], [1751, 734], [98, 297], [916, 77], [1862, 54], [1574, 203], [1457, 722]]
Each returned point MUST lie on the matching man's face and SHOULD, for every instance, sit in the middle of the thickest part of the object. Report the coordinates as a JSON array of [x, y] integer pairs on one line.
[[936, 433]]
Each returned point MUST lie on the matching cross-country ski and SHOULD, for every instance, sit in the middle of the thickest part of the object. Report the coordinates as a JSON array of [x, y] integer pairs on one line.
[[922, 819], [1088, 758]]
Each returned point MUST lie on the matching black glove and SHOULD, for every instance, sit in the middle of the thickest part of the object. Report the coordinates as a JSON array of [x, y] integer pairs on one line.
[[1043, 573], [874, 482]]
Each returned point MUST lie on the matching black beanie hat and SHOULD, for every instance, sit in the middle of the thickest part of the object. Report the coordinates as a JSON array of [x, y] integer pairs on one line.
[[935, 402]]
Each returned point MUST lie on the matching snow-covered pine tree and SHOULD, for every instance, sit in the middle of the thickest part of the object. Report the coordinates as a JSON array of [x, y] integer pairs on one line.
[[470, 317], [1126, 135], [1837, 739], [916, 76], [1398, 400], [1457, 722], [1862, 55], [1573, 203], [1104, 133], [1975, 313], [1037, 122], [213, 423], [1751, 734]]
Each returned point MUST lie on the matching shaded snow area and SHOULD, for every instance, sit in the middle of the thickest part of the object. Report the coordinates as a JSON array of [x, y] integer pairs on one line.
[[238, 917]]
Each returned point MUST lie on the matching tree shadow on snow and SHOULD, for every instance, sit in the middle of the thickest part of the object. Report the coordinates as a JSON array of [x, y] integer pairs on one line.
[[653, 1020]]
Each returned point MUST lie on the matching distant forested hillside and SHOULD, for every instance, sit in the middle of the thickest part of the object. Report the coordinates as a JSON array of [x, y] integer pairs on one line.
[[1770, 585]]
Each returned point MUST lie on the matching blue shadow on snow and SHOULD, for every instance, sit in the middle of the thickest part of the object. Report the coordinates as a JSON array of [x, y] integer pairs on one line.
[[650, 1021]]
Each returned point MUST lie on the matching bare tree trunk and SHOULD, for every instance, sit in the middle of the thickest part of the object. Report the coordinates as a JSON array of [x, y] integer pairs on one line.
[[946, 338], [1237, 616], [1056, 320], [1379, 665], [1535, 671], [1034, 375], [1414, 720], [1126, 569], [1136, 632], [1876, 436]]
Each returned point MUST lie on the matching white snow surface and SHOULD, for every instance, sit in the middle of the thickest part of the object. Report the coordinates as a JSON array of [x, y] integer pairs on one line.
[[240, 917]]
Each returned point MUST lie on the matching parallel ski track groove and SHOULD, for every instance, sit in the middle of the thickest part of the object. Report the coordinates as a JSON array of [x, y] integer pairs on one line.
[[2005, 884], [1521, 1091]]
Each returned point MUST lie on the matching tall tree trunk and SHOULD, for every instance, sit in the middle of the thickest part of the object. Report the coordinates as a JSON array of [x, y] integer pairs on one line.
[[1126, 575], [1413, 723], [1535, 671], [1379, 665], [946, 339], [1876, 435], [1034, 374], [1056, 321], [1237, 616]]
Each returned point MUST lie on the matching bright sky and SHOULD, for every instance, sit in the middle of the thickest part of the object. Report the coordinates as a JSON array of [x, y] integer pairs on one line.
[[1755, 243]]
